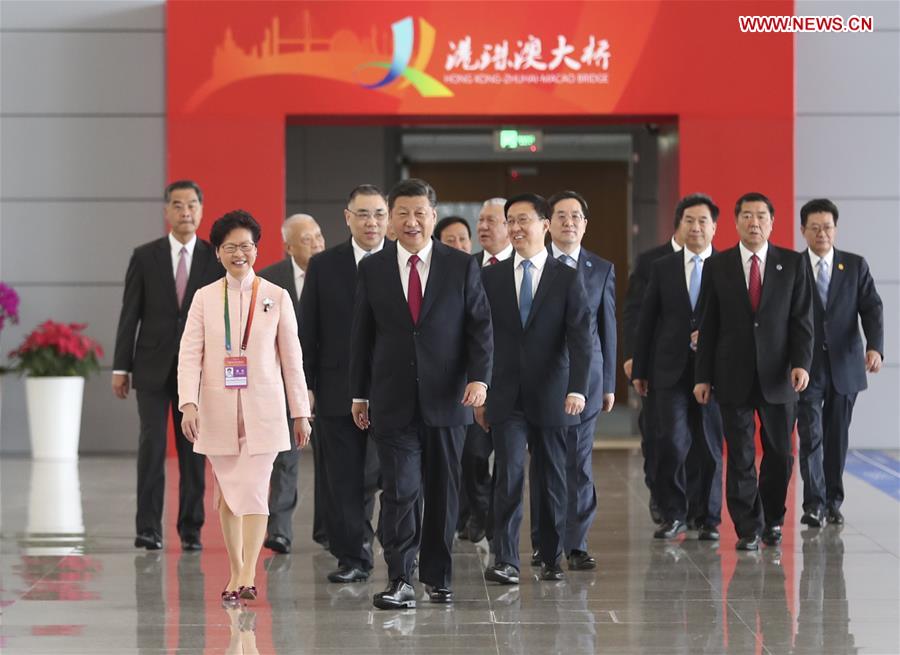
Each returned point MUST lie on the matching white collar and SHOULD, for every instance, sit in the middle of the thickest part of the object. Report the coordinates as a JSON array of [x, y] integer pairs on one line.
[[746, 253], [814, 258], [298, 272], [675, 246], [689, 256], [537, 260], [424, 254], [359, 252], [557, 252], [503, 255], [175, 245]]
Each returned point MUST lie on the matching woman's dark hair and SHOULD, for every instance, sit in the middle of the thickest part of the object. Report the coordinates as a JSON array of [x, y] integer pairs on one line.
[[233, 220]]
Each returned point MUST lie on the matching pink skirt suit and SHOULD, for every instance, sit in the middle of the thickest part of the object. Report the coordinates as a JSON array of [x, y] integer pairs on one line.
[[242, 430]]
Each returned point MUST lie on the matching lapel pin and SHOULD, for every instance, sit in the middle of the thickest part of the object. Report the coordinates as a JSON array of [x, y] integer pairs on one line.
[[588, 264], [778, 267], [840, 267], [267, 303]]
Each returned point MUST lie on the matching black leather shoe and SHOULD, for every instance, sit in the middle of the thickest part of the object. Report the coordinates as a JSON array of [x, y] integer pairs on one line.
[[581, 561], [440, 595], [833, 514], [191, 542], [813, 518], [535, 558], [502, 573], [476, 531], [148, 539], [670, 529], [278, 544], [707, 534], [398, 595], [552, 573], [772, 535], [748, 543], [655, 514], [347, 574]]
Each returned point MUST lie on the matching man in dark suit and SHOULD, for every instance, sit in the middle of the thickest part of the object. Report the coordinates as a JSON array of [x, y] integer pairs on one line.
[[420, 359], [542, 358], [664, 361], [568, 222], [302, 239], [159, 287], [755, 348], [844, 295], [326, 308], [637, 285]]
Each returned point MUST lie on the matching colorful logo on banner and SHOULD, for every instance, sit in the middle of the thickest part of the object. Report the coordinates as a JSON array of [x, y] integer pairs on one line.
[[404, 35]]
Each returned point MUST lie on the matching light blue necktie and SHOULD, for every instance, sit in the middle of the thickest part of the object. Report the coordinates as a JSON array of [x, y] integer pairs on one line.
[[694, 286], [822, 280], [526, 296], [568, 261]]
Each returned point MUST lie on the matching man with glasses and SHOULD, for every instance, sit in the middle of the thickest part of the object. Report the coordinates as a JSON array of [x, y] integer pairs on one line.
[[420, 359], [159, 287], [542, 362], [568, 222], [302, 239], [326, 311]]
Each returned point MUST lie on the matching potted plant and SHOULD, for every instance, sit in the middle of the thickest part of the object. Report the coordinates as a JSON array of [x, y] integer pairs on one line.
[[55, 359]]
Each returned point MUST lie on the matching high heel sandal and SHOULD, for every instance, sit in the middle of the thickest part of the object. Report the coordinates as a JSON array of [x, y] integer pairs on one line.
[[247, 593], [230, 598]]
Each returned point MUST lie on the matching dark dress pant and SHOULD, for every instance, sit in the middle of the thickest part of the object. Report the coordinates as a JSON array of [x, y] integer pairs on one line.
[[647, 425], [476, 490], [283, 493]]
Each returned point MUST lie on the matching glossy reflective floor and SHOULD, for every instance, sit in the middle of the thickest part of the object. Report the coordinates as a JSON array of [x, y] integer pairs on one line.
[[73, 583]]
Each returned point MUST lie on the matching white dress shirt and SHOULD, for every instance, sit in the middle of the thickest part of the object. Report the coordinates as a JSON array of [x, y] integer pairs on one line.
[[537, 268], [423, 266], [574, 255], [689, 263], [814, 259], [175, 247], [675, 245], [299, 277], [503, 255], [359, 252], [746, 254]]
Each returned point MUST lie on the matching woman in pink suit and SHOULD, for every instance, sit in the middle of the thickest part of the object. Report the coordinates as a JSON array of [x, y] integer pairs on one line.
[[233, 376]]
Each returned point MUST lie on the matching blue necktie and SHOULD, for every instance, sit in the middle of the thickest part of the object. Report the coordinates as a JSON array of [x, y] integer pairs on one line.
[[822, 280], [526, 296], [694, 286], [568, 261]]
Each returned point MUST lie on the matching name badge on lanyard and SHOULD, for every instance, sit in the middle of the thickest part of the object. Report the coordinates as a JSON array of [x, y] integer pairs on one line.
[[236, 367]]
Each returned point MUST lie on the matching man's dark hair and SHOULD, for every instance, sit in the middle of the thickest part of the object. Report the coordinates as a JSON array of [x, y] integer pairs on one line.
[[447, 221], [412, 188], [177, 185], [536, 201], [567, 195], [816, 206], [365, 190], [753, 196], [694, 200], [233, 220]]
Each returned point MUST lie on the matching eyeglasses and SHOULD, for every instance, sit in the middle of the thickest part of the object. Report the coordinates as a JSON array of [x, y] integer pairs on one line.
[[365, 214], [420, 214], [232, 248], [575, 218], [816, 229], [523, 221]]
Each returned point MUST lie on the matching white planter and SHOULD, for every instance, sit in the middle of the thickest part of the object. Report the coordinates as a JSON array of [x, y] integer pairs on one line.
[[54, 416]]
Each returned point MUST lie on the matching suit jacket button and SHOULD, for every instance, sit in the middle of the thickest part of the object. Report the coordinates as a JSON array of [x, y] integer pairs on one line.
[[755, 324]]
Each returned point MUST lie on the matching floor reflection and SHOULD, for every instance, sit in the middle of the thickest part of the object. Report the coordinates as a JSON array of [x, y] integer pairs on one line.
[[55, 521]]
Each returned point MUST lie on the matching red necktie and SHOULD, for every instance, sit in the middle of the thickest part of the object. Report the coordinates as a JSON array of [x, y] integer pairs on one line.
[[414, 289], [755, 283], [493, 260]]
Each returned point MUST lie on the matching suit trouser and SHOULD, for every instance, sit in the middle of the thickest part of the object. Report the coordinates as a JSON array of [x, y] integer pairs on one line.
[[581, 495], [512, 439], [823, 425], [420, 459], [344, 450], [754, 505], [476, 490], [283, 492], [153, 409], [686, 427], [647, 424], [320, 492]]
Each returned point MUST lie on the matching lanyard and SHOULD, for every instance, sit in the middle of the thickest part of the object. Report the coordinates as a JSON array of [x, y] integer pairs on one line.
[[249, 316]]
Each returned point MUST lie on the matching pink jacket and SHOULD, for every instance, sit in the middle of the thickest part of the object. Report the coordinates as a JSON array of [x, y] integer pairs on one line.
[[274, 363]]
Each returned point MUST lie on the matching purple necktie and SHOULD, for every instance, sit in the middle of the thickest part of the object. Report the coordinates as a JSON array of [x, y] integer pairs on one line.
[[181, 276]]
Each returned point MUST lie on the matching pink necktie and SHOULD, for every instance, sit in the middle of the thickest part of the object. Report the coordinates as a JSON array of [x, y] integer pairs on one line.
[[414, 290], [755, 283], [181, 275]]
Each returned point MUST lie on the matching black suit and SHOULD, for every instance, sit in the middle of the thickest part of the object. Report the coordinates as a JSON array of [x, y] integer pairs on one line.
[[637, 285], [150, 327], [414, 376], [350, 466], [663, 356], [535, 368], [599, 278], [838, 374], [748, 357]]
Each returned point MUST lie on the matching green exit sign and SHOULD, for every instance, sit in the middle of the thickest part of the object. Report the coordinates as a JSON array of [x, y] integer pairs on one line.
[[517, 140]]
